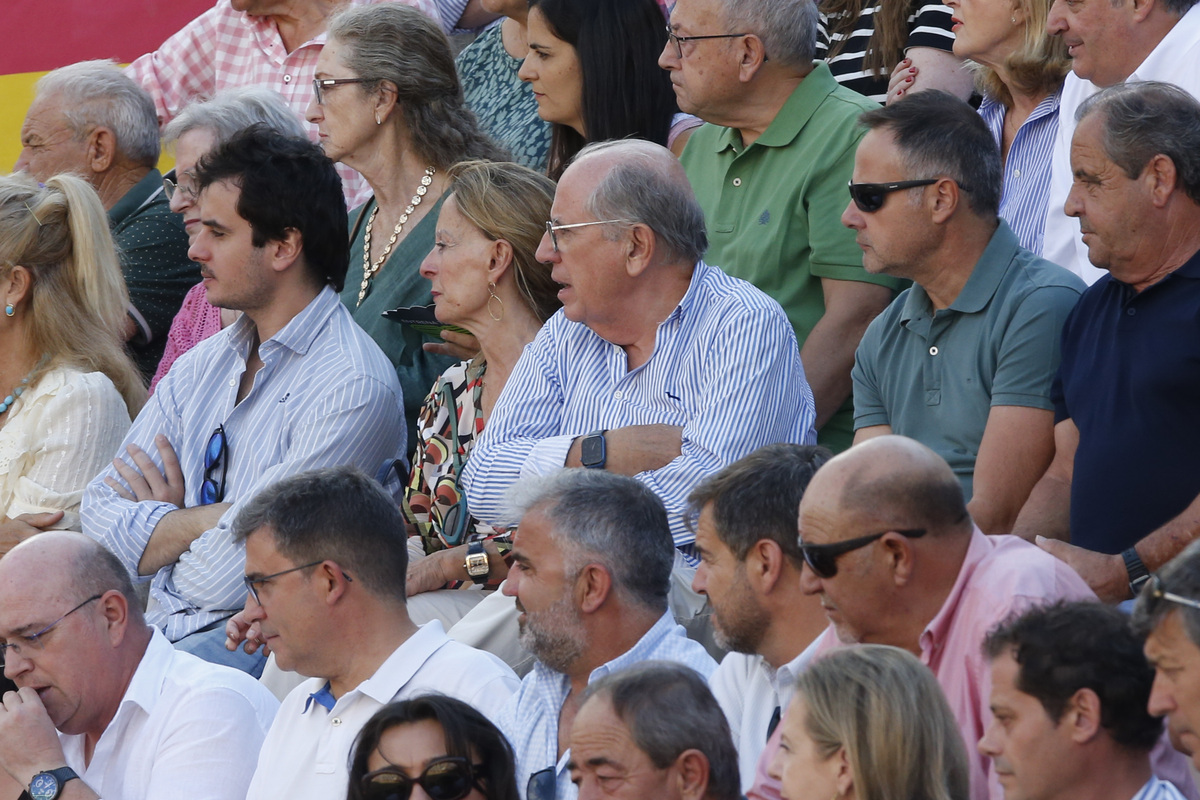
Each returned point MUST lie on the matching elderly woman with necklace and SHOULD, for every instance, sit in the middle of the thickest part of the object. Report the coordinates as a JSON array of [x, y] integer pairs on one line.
[[388, 104]]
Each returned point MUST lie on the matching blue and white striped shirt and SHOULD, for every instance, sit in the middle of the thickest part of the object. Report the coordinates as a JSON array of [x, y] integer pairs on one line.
[[1027, 167], [725, 367], [530, 720], [1157, 789], [326, 395]]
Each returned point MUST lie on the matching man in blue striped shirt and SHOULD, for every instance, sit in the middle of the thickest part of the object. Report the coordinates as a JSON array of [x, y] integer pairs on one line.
[[658, 366], [294, 384]]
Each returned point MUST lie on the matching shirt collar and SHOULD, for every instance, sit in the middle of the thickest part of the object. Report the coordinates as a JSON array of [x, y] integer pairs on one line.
[[142, 192], [792, 116], [145, 687], [1162, 59], [402, 665], [938, 628], [650, 640], [298, 334], [699, 272], [977, 292]]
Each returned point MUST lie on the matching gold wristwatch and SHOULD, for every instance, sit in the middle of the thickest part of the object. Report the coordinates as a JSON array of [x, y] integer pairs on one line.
[[477, 563]]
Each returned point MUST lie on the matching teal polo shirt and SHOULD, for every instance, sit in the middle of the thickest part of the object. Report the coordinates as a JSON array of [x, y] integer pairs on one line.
[[773, 209], [934, 375]]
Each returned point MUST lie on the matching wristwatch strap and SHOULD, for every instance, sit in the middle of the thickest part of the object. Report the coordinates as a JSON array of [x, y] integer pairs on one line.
[[476, 549], [1138, 574]]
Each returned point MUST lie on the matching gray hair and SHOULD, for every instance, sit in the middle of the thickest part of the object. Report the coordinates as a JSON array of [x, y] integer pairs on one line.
[[335, 513], [98, 94], [640, 188], [669, 709], [1180, 577], [939, 134], [612, 520], [1145, 119], [787, 28], [233, 110], [96, 571]]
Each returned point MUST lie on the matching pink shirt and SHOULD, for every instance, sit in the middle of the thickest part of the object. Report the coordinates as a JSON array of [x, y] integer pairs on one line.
[[223, 48], [196, 321], [1000, 576]]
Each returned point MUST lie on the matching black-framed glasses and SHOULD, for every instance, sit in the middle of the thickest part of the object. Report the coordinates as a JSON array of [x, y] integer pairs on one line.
[[216, 454], [822, 558], [542, 785], [679, 40], [170, 187], [1158, 593], [446, 778], [321, 84], [252, 583], [552, 229], [33, 641]]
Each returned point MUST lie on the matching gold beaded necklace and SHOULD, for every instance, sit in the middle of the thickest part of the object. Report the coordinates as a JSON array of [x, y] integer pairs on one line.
[[370, 269]]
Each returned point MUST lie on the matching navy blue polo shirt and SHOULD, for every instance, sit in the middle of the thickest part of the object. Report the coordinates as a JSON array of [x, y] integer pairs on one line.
[[1130, 381]]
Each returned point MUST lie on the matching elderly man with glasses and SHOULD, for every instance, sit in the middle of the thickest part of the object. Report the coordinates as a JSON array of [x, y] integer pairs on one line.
[[105, 706], [964, 360], [895, 558]]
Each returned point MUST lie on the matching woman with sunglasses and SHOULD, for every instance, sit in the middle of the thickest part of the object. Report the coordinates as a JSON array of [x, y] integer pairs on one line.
[[438, 743], [388, 104], [486, 279], [67, 386], [594, 71], [870, 723]]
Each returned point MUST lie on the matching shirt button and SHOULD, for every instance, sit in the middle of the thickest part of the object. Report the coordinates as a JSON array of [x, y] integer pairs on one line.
[[737, 181], [336, 721], [933, 351], [617, 395], [233, 381], [1016, 173], [287, 78], [1131, 311]]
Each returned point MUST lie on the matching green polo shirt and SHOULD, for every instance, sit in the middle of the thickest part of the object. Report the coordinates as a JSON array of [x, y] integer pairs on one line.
[[774, 209], [153, 247], [934, 376]]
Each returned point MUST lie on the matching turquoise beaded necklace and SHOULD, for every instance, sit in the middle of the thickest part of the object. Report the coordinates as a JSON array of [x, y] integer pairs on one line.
[[8, 401]]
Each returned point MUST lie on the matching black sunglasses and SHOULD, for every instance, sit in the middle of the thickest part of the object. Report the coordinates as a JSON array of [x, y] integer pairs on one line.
[[822, 558], [542, 785], [448, 778], [869, 197], [216, 454]]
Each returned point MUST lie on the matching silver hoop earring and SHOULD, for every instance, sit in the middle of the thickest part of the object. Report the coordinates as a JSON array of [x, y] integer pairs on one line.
[[493, 296]]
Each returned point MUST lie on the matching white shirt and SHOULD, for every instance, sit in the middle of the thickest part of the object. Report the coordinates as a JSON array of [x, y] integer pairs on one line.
[[185, 730], [1176, 59], [749, 690], [307, 752]]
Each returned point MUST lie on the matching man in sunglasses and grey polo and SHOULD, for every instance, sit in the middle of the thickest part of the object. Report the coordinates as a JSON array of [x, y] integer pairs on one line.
[[895, 558], [964, 360]]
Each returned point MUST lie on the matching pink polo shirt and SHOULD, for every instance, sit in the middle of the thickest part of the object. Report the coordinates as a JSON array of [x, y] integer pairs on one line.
[[1000, 576]]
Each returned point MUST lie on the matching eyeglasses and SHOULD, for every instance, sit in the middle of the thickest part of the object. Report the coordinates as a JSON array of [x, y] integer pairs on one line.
[[216, 453], [869, 197], [33, 641], [447, 778], [321, 84], [552, 229], [253, 583], [170, 187], [542, 785], [1158, 593], [679, 40], [822, 558]]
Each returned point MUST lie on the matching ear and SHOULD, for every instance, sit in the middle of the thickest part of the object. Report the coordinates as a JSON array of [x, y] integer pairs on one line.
[[283, 253], [691, 774], [593, 587], [332, 581], [1141, 9], [101, 149], [945, 200], [751, 57], [764, 565], [15, 285], [1082, 715], [640, 252], [845, 775], [1161, 179], [502, 258], [385, 100], [1018, 13], [115, 609], [900, 555]]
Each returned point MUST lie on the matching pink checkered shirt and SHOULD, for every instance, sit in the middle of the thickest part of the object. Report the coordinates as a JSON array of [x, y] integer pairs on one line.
[[223, 48]]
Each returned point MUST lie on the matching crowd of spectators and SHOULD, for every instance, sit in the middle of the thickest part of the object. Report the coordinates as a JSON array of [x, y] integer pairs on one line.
[[698, 400]]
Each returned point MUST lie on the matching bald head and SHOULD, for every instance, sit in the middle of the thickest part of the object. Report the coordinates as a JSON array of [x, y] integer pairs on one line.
[[642, 182], [895, 482]]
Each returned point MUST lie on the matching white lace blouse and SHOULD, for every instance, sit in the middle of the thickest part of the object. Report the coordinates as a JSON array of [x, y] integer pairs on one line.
[[59, 435]]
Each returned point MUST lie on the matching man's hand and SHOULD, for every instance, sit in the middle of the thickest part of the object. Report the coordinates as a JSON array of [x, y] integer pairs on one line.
[[431, 573], [145, 481], [28, 741], [1104, 573], [456, 345], [635, 448], [246, 634], [16, 530]]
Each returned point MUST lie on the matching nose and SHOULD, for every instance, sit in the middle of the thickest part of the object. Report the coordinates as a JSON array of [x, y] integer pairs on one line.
[[526, 72], [1161, 702], [427, 268], [668, 59], [180, 201], [1073, 207], [988, 745], [511, 583], [700, 580], [1056, 20], [852, 217], [22, 164], [15, 664], [809, 582], [545, 251], [198, 250], [313, 111]]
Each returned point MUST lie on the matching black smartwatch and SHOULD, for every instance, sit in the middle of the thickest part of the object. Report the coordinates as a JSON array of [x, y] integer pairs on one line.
[[477, 563], [1138, 574], [48, 785], [593, 451]]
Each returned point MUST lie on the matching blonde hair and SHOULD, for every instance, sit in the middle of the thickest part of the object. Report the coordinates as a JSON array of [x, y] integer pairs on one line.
[[888, 712], [511, 202], [1038, 67], [77, 298]]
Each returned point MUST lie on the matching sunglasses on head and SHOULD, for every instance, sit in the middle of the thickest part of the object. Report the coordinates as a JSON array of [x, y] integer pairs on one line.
[[448, 778], [822, 558]]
